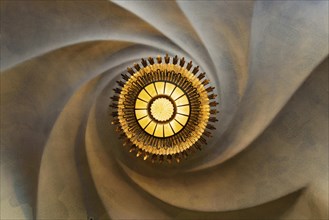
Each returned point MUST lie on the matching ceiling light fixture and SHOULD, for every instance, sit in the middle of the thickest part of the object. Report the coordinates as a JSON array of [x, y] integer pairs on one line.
[[163, 110]]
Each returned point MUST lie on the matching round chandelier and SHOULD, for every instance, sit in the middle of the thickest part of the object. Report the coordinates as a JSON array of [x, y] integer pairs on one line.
[[163, 110]]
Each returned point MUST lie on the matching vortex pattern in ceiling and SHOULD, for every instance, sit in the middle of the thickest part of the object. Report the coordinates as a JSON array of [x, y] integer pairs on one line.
[[61, 158]]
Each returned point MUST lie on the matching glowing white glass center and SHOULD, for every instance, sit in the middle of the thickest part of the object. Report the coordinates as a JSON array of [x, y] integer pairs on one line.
[[162, 109]]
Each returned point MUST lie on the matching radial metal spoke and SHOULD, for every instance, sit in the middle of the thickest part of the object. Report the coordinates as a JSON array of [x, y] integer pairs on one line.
[[156, 90]]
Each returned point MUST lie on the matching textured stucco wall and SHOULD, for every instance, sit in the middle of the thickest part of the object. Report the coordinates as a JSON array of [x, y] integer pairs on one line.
[[61, 158]]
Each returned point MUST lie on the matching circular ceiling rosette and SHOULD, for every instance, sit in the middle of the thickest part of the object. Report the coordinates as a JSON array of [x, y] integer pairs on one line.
[[163, 109], [266, 60]]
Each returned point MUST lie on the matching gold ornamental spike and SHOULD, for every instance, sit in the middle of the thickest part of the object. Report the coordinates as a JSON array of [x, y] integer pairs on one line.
[[195, 70], [125, 77], [185, 154], [154, 158], [139, 153], [114, 105], [182, 62], [126, 143], [145, 156], [212, 96], [151, 61], [213, 119], [207, 134], [167, 59], [177, 158], [205, 82], [117, 90], [169, 159], [159, 59], [210, 89], [213, 111], [137, 67], [214, 103], [197, 146], [189, 65], [144, 63], [161, 158], [201, 76], [132, 148], [120, 83], [130, 70], [115, 122], [175, 60], [211, 127]]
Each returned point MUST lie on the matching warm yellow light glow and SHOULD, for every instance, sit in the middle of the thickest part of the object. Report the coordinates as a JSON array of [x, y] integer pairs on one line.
[[160, 87], [151, 89], [167, 130], [150, 128], [183, 109], [182, 101], [176, 126], [159, 131], [177, 93], [144, 96], [182, 119], [166, 105], [144, 121], [169, 88], [140, 104], [140, 113], [163, 108]]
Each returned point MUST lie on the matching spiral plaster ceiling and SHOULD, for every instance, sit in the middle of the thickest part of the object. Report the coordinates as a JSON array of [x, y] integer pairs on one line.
[[62, 159]]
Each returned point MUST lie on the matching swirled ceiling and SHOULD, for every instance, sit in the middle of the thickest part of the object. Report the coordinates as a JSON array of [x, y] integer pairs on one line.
[[62, 159]]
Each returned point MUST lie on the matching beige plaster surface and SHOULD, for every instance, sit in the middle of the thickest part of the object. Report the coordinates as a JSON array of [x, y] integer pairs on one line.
[[61, 158]]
